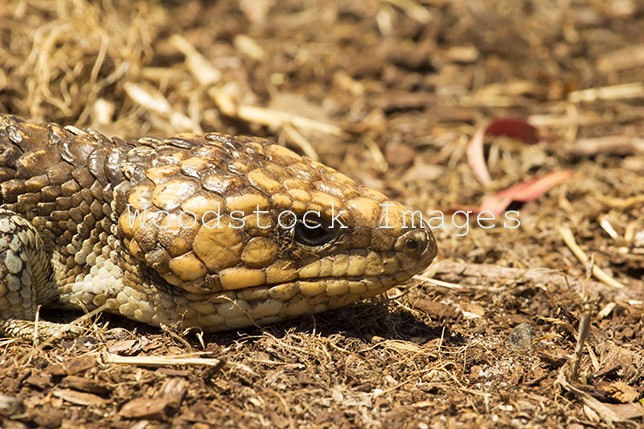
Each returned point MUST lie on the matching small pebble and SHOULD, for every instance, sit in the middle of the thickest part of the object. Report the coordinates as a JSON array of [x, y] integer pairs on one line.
[[521, 337]]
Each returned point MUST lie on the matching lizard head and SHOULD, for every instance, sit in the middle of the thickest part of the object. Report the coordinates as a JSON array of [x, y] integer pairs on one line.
[[250, 232]]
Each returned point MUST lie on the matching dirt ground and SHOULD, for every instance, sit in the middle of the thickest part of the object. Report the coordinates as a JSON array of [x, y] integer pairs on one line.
[[389, 92]]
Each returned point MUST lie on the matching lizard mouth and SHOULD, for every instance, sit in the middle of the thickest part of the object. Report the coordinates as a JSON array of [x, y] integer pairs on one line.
[[308, 294], [264, 305]]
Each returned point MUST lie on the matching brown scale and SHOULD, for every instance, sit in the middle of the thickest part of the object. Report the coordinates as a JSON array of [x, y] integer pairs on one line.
[[52, 181]]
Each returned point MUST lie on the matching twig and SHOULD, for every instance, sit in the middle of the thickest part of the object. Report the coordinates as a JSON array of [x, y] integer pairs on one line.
[[612, 92], [268, 117], [440, 283], [584, 328], [165, 328], [301, 141], [161, 360], [152, 100], [200, 67], [412, 9], [598, 273]]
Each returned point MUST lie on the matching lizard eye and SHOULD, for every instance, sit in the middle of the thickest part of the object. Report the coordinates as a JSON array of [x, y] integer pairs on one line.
[[312, 230]]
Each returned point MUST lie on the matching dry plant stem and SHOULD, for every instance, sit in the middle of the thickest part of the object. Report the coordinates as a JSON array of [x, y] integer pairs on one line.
[[606, 310], [301, 141], [36, 326], [572, 111], [602, 410], [594, 359], [153, 101], [612, 92], [285, 407], [160, 360], [620, 145], [440, 283], [605, 224], [584, 328], [177, 337], [378, 156], [413, 9], [76, 322], [598, 273], [199, 66], [269, 117], [621, 203]]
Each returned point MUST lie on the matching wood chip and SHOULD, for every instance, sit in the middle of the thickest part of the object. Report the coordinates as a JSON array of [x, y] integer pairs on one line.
[[144, 408], [80, 364], [86, 385], [79, 398]]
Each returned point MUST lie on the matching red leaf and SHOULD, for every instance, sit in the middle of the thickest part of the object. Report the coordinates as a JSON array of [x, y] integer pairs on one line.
[[495, 204], [516, 128], [525, 191], [476, 158], [536, 187]]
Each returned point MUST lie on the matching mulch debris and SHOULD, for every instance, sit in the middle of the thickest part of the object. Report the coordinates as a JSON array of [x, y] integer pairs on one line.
[[539, 325]]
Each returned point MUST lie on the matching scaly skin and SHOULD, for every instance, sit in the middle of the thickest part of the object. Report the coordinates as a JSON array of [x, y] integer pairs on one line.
[[152, 229]]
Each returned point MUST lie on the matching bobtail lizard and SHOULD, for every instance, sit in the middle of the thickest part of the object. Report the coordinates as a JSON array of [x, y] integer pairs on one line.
[[208, 231]]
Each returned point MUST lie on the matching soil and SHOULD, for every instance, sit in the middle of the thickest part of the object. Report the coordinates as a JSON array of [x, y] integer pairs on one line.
[[508, 327]]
